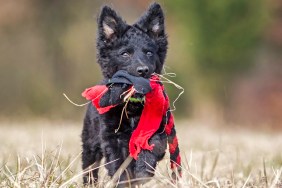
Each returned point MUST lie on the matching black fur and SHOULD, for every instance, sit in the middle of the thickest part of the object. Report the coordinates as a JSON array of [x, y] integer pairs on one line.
[[140, 49]]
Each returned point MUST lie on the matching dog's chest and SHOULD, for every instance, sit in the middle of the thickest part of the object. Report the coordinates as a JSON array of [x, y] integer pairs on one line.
[[133, 109]]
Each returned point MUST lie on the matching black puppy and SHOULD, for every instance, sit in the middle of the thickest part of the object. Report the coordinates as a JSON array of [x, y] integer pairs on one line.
[[140, 50]]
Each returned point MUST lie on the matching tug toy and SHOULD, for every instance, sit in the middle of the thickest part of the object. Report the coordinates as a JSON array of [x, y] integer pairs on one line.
[[156, 107]]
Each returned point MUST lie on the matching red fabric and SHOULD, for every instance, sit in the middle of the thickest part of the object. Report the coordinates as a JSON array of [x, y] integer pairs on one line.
[[169, 125], [94, 94], [176, 164], [173, 145], [178, 160], [151, 117], [155, 108]]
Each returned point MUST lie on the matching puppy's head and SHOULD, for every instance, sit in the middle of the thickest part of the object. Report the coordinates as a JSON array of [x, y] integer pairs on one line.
[[139, 49]]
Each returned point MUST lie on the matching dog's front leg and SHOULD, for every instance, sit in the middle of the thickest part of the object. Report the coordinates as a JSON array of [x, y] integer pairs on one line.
[[114, 145], [147, 160], [110, 147]]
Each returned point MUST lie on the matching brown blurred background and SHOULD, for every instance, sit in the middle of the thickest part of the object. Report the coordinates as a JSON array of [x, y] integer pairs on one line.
[[226, 54]]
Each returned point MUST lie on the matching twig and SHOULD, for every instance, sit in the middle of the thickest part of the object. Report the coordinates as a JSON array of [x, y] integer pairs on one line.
[[247, 180], [63, 172], [173, 83], [10, 178], [196, 178], [128, 93], [164, 180], [276, 179], [116, 176], [121, 116], [203, 165], [264, 173], [214, 164], [82, 173], [79, 105]]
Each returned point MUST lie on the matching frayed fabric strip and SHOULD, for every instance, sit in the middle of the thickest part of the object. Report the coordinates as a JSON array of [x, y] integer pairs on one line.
[[95, 94]]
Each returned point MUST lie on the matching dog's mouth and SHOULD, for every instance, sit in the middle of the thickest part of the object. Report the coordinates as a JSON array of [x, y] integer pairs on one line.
[[137, 98]]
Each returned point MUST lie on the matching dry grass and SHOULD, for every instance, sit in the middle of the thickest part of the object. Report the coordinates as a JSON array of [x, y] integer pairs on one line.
[[46, 154]]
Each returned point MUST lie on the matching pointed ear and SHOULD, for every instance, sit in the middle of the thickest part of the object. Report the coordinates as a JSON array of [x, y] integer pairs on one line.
[[152, 22], [110, 25]]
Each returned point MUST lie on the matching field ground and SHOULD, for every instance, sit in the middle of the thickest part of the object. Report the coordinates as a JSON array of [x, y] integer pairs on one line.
[[47, 154]]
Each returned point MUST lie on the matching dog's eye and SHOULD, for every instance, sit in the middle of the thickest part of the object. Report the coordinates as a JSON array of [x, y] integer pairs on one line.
[[149, 53], [125, 54]]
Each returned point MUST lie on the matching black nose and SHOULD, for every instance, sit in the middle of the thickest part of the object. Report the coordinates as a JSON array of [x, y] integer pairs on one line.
[[142, 70]]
